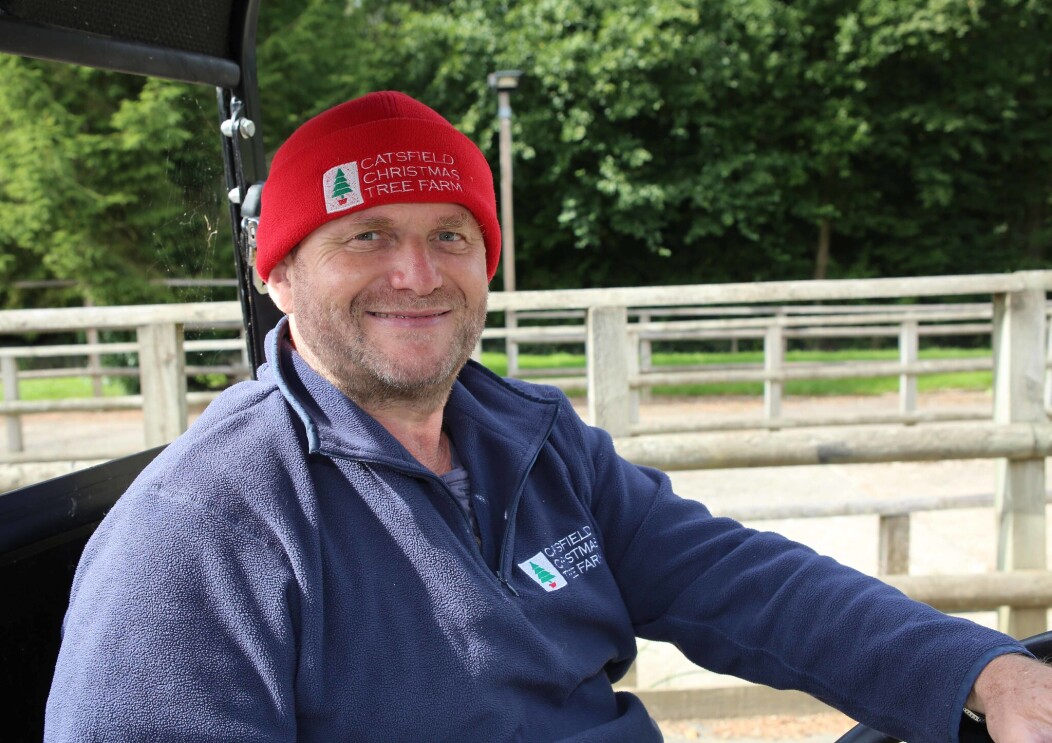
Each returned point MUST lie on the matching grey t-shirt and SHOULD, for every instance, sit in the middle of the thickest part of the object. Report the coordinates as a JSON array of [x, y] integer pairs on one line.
[[459, 482]]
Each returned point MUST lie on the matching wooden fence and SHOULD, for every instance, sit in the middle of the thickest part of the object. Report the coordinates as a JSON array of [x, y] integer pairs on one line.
[[774, 325], [1017, 434], [161, 348]]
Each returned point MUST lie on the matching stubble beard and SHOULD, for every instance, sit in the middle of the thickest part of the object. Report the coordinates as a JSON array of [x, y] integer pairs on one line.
[[342, 351]]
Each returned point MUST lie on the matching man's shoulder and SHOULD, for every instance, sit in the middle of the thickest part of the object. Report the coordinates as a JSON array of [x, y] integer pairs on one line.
[[244, 398], [251, 409], [245, 430], [243, 461]]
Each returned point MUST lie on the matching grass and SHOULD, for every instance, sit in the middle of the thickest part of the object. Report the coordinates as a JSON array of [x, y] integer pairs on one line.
[[58, 388], [574, 363]]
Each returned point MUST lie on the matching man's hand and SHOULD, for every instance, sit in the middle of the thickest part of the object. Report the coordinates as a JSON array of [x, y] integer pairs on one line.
[[1015, 694]]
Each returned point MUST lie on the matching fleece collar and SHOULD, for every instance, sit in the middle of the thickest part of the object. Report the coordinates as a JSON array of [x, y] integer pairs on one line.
[[490, 420]]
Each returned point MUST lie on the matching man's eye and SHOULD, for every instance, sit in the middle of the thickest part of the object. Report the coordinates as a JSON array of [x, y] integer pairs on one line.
[[367, 236], [448, 236]]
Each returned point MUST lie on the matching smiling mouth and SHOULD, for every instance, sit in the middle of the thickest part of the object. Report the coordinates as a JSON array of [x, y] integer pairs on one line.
[[398, 316]]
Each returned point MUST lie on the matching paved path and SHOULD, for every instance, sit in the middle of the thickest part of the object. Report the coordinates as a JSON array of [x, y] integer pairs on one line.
[[761, 729]]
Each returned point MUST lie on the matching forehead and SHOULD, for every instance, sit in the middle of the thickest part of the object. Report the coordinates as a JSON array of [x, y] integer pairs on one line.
[[421, 216]]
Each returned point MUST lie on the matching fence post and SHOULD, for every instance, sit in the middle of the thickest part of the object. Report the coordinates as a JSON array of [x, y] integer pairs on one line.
[[162, 374], [608, 399], [894, 556], [9, 372], [91, 337], [1019, 370], [511, 346], [773, 357], [646, 346], [909, 353], [632, 370], [645, 358], [1048, 367]]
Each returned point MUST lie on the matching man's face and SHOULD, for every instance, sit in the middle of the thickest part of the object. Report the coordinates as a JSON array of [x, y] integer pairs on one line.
[[388, 303]]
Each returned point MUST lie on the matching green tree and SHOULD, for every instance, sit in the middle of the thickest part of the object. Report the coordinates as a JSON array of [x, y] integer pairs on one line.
[[105, 183], [340, 186], [956, 95]]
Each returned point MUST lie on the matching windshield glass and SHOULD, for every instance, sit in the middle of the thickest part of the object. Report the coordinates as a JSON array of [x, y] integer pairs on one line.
[[111, 195]]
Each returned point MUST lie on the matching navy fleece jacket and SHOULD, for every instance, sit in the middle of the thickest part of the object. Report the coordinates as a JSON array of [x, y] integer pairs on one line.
[[287, 571]]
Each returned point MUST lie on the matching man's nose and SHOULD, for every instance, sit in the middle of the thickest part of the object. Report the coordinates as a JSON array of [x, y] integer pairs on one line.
[[414, 267]]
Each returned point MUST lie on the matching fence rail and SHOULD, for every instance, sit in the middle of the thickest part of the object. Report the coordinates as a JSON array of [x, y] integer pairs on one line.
[[775, 325], [642, 333]]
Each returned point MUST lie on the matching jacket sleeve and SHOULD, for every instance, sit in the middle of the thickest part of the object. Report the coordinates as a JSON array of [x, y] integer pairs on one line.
[[180, 627], [758, 606]]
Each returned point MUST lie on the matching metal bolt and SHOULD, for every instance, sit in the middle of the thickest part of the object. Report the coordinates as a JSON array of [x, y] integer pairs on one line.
[[245, 127]]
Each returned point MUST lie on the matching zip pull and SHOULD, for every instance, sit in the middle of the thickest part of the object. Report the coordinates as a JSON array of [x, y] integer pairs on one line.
[[507, 585]]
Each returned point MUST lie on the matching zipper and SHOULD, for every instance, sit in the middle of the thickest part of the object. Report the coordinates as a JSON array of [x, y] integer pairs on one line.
[[474, 547], [506, 584], [463, 517], [508, 541]]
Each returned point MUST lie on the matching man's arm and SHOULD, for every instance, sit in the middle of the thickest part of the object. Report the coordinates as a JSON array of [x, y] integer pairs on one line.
[[760, 607], [1015, 694], [177, 629]]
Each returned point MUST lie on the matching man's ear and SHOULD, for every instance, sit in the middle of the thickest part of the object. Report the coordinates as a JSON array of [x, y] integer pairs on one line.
[[279, 287]]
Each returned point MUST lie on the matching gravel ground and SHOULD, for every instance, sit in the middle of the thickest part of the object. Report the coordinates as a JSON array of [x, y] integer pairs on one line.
[[762, 729]]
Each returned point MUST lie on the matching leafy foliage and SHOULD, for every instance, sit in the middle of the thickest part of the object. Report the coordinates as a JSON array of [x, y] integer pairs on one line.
[[105, 183], [670, 141]]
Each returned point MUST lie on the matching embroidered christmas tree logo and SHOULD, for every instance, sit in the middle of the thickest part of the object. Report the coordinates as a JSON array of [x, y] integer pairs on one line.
[[341, 188], [541, 570], [543, 575]]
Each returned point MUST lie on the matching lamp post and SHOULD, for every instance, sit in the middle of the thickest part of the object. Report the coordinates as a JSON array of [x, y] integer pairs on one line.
[[505, 81]]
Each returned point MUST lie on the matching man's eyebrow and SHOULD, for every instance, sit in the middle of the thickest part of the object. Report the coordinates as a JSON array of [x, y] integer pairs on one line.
[[372, 223], [452, 221]]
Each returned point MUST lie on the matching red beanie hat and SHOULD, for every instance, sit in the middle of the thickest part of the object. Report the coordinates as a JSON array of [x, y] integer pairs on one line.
[[382, 148]]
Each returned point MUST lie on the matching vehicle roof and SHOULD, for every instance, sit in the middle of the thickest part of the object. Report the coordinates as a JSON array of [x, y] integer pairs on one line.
[[198, 41]]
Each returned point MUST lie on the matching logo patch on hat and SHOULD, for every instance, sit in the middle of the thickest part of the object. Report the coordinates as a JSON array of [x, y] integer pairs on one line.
[[341, 187]]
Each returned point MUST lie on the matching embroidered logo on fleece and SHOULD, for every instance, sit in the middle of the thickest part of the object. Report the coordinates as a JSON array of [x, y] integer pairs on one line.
[[341, 187], [565, 559], [541, 570]]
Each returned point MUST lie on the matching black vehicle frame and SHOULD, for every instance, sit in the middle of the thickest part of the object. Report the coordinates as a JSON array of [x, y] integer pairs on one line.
[[43, 528]]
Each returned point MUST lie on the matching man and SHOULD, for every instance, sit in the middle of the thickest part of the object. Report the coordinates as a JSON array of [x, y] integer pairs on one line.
[[381, 540]]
